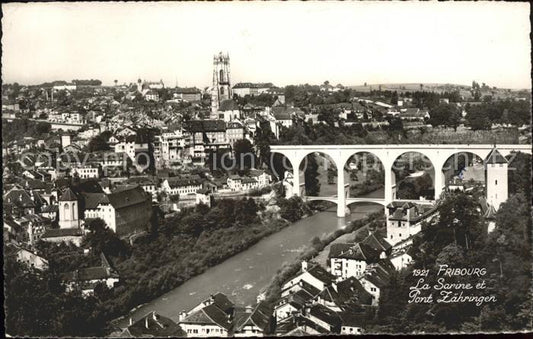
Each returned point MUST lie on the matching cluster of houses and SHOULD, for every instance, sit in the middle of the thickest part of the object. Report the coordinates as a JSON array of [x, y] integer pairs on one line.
[[217, 316], [316, 300]]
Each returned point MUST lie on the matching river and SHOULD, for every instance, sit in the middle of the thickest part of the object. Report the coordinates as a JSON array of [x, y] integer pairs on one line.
[[243, 276]]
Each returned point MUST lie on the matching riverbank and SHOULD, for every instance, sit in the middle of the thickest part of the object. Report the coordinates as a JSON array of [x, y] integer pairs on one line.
[[245, 275], [317, 250], [200, 253]]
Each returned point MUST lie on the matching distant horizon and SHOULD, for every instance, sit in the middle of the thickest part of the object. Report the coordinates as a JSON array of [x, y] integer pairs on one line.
[[275, 85], [284, 43]]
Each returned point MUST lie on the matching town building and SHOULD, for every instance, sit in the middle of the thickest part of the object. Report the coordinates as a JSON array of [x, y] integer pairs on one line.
[[344, 295], [229, 110], [152, 325], [234, 132], [31, 259], [351, 260], [203, 196], [86, 279], [87, 171], [237, 183], [181, 186], [247, 88], [188, 94], [315, 276], [207, 135], [151, 95], [404, 219], [252, 321], [376, 278], [213, 317], [124, 211], [64, 235]]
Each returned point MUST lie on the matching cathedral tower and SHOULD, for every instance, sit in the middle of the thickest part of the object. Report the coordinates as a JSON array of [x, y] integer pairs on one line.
[[221, 81]]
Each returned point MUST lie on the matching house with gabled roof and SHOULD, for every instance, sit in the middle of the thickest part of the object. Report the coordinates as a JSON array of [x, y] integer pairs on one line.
[[86, 279], [310, 273], [31, 259], [351, 261], [377, 276], [324, 318], [152, 325], [252, 321], [19, 202], [212, 317], [352, 322], [344, 295], [292, 304], [404, 219], [379, 244], [297, 325]]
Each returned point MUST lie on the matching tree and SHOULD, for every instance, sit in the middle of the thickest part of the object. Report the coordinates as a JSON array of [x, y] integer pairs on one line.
[[445, 115], [244, 154], [332, 173], [477, 119], [312, 185], [263, 139], [43, 128], [103, 239], [98, 143], [291, 209], [328, 115], [520, 174], [394, 98]]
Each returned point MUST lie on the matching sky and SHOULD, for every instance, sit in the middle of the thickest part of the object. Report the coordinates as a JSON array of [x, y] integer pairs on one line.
[[280, 42]]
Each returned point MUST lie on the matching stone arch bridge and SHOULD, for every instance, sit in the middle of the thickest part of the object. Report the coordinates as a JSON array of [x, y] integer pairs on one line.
[[438, 154]]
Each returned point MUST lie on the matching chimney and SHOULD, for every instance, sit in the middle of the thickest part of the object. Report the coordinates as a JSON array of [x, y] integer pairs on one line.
[[146, 322], [131, 321], [249, 309], [304, 266], [182, 315]]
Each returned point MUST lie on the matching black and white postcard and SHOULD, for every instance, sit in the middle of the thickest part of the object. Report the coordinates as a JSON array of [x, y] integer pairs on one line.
[[250, 169]]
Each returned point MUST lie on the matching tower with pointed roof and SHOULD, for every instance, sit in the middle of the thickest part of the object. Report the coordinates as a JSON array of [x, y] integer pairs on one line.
[[496, 178], [221, 81], [68, 210]]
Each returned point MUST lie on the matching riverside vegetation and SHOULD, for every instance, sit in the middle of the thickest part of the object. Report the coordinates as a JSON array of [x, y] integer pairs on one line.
[[175, 250]]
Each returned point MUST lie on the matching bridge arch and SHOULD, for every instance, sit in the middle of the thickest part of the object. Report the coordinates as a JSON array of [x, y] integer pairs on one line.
[[368, 168], [414, 175], [467, 164], [327, 169]]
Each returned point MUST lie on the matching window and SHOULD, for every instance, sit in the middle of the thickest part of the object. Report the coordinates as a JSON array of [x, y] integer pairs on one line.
[[222, 90], [495, 182]]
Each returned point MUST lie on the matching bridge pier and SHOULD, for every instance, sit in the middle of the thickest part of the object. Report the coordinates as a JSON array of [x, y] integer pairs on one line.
[[439, 181], [341, 194]]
